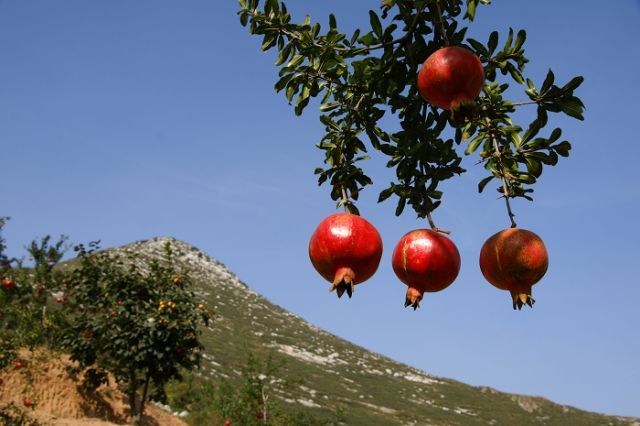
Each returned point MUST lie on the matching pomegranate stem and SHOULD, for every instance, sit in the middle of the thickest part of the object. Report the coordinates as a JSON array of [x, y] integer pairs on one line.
[[434, 227], [345, 200], [505, 183]]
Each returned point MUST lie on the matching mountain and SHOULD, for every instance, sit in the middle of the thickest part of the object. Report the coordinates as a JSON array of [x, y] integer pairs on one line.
[[372, 389]]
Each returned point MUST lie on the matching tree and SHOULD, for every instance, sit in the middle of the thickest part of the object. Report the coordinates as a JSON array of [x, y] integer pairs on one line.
[[372, 73], [25, 295], [134, 318]]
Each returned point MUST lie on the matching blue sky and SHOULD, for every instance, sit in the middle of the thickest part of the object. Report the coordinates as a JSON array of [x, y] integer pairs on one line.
[[122, 121]]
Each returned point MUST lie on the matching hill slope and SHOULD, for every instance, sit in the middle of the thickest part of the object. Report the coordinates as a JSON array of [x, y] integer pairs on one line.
[[375, 389]]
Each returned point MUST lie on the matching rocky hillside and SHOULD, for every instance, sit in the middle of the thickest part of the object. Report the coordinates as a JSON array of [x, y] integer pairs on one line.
[[372, 389]]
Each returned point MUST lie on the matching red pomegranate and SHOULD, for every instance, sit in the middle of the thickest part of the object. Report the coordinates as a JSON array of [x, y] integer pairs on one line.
[[7, 283], [450, 77], [346, 250], [514, 260], [425, 260]]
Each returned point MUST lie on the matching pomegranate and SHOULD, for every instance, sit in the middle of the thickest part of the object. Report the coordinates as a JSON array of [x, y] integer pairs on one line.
[[425, 260], [7, 283], [346, 250], [450, 77], [514, 260]]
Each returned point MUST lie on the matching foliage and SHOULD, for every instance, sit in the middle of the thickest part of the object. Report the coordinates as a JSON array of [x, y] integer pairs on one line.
[[29, 316], [250, 401], [363, 77], [136, 319]]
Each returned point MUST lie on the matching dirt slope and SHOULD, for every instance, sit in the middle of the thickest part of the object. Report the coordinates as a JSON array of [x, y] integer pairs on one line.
[[58, 398]]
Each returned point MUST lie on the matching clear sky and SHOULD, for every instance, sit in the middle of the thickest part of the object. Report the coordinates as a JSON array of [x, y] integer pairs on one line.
[[125, 120]]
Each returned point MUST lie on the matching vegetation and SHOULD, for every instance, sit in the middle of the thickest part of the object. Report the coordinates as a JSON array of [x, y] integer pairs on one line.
[[251, 400], [372, 73], [114, 314]]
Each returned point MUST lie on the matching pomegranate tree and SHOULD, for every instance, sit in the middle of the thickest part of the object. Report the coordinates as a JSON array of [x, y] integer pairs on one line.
[[450, 77], [514, 260], [426, 261], [346, 250], [414, 86]]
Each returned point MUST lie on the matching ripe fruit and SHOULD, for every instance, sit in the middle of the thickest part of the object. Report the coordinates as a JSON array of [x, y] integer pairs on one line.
[[346, 250], [514, 260], [26, 402], [19, 365], [227, 422], [425, 260], [450, 77], [59, 300], [7, 283]]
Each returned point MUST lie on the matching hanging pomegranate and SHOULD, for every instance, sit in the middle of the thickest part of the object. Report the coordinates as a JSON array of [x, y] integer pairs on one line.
[[450, 77], [426, 261], [514, 260], [346, 250]]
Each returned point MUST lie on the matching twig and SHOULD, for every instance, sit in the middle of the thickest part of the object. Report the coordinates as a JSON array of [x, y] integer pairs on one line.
[[434, 227], [345, 200], [441, 28], [505, 185], [515, 104]]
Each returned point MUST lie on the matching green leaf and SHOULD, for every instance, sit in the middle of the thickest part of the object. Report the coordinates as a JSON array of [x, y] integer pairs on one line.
[[471, 9], [367, 39], [284, 54], [376, 26], [295, 61], [563, 148], [534, 166], [386, 193], [244, 19], [555, 135], [507, 44], [573, 107], [526, 178], [483, 183], [548, 81], [573, 84], [282, 83], [544, 158], [373, 138], [493, 42], [271, 6], [520, 39], [332, 22], [329, 107], [515, 74], [401, 203], [474, 144], [478, 47], [269, 41]]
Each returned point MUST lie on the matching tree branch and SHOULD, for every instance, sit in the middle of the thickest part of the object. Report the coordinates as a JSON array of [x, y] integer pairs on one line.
[[505, 184]]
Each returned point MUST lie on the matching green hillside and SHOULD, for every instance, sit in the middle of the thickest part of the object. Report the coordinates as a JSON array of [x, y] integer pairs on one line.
[[369, 389]]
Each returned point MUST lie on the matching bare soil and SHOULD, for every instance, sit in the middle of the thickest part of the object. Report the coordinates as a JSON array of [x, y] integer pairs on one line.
[[59, 399]]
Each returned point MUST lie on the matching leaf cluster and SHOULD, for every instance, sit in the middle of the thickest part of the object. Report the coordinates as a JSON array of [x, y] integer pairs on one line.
[[133, 317], [364, 76]]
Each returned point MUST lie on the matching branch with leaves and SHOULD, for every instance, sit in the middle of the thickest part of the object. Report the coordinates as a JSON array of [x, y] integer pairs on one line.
[[361, 78]]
